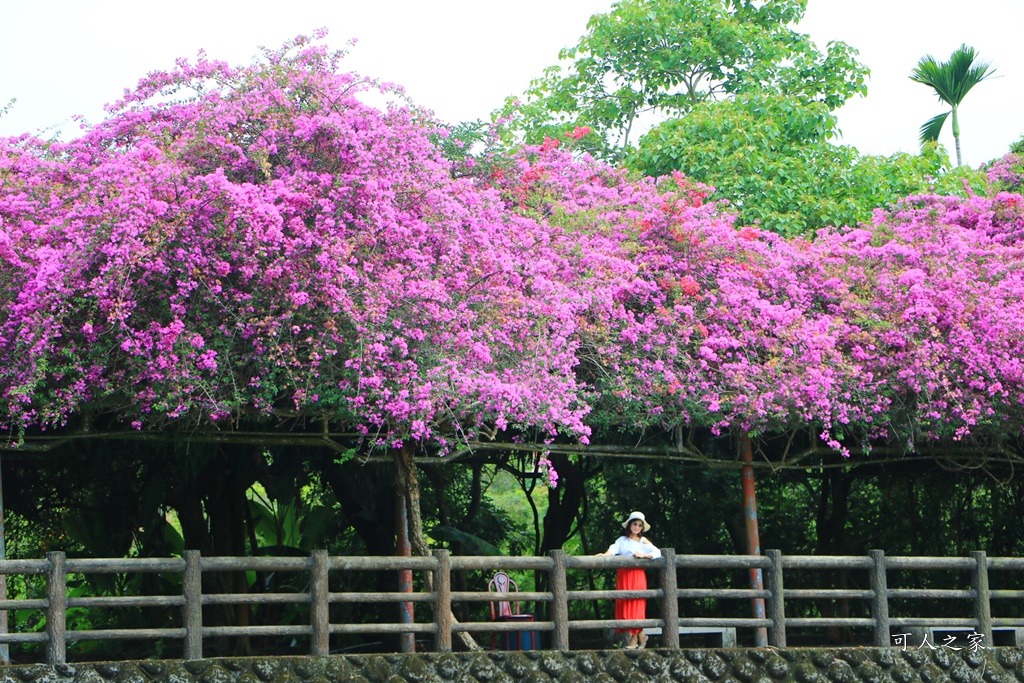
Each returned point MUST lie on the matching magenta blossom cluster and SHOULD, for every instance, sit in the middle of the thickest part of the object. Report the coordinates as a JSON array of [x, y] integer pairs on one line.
[[909, 328], [932, 295], [1006, 173], [257, 243], [273, 247]]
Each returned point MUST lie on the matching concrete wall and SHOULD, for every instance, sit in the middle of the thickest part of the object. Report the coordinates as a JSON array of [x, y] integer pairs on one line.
[[841, 665]]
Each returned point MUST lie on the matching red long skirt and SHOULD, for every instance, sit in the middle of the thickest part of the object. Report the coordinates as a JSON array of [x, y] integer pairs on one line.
[[631, 580]]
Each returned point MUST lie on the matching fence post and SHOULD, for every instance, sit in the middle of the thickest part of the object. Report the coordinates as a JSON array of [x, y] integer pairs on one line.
[[192, 611], [880, 601], [982, 606], [670, 603], [443, 601], [56, 608], [319, 605], [560, 604], [777, 602]]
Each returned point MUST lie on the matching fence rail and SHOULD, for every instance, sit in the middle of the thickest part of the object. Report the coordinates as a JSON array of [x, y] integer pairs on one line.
[[319, 567]]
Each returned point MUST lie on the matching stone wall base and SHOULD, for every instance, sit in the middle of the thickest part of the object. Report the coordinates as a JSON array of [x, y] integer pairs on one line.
[[796, 665]]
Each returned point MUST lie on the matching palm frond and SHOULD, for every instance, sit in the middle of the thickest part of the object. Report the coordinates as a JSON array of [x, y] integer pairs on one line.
[[953, 79], [925, 71], [931, 129], [965, 72]]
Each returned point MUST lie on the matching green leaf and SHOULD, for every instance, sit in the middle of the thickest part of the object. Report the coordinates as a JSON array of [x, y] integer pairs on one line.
[[933, 127]]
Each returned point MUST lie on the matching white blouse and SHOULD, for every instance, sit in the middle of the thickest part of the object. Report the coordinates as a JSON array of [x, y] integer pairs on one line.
[[627, 546]]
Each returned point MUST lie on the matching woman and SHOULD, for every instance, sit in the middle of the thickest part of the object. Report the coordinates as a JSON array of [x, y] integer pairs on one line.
[[633, 543]]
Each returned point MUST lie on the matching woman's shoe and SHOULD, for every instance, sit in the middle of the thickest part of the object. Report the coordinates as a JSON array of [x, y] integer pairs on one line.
[[632, 644], [642, 640]]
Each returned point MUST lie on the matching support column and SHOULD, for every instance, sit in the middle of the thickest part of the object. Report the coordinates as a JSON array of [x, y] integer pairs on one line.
[[319, 604], [56, 608], [753, 536], [560, 605], [443, 602], [777, 604], [880, 602], [670, 603], [407, 641], [982, 606], [192, 611]]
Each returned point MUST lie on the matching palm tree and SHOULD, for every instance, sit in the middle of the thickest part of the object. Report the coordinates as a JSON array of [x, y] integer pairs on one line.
[[951, 81]]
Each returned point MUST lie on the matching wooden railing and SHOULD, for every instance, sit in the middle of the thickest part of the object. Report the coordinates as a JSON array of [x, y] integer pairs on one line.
[[319, 567]]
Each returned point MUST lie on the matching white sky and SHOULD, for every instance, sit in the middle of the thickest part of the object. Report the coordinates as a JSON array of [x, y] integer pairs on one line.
[[461, 58]]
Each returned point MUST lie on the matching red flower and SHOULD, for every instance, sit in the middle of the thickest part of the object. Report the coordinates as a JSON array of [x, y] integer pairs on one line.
[[550, 143]]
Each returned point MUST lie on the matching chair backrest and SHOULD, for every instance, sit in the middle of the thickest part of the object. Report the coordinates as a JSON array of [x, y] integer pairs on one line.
[[503, 583]]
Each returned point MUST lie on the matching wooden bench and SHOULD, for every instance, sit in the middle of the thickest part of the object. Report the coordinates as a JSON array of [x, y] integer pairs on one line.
[[726, 634]]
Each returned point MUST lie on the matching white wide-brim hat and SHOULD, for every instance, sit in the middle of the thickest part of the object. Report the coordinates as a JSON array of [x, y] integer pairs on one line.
[[636, 515]]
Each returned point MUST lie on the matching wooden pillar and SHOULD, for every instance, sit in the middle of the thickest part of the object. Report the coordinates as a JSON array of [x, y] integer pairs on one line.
[[982, 604], [56, 608], [777, 603], [670, 603], [319, 605], [880, 601], [192, 610], [560, 605], [443, 602]]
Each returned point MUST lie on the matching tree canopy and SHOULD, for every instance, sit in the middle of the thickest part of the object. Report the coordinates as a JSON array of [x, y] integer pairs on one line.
[[777, 161], [732, 95], [269, 246], [256, 245], [665, 57]]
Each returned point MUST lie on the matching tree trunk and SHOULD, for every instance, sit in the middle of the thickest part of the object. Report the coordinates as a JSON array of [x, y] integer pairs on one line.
[[564, 503], [830, 527], [956, 137], [408, 485], [211, 506]]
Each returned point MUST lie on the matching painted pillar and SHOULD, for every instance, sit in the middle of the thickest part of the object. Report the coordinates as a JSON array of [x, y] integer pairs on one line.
[[407, 641], [753, 537]]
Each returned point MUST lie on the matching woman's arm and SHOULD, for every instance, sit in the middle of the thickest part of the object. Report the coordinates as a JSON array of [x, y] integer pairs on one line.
[[653, 552]]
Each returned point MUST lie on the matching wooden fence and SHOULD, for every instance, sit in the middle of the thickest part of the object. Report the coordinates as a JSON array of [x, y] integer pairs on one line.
[[878, 596]]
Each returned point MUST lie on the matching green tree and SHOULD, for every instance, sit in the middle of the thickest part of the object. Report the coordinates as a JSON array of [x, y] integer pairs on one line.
[[772, 157], [667, 56], [951, 80]]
